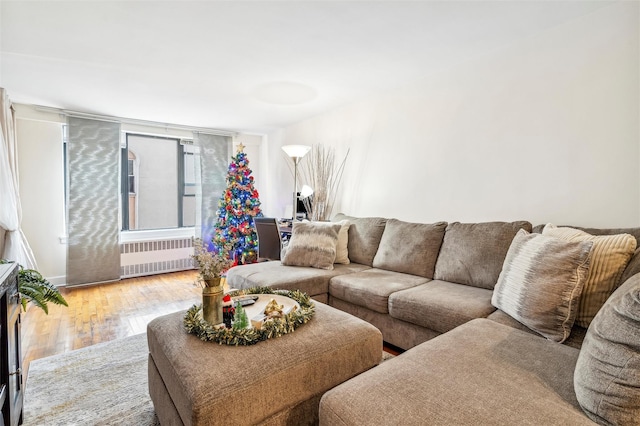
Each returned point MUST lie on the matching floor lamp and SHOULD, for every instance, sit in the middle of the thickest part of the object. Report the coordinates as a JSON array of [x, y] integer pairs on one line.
[[296, 152]]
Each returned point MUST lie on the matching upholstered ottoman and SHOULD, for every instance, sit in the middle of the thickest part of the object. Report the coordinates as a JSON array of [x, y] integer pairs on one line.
[[275, 382]]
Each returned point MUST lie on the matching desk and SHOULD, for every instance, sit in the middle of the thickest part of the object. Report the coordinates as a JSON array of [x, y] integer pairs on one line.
[[284, 226]]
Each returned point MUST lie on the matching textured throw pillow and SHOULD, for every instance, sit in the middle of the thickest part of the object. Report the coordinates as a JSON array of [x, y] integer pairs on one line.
[[609, 257], [541, 281], [473, 253], [410, 248], [607, 374], [312, 244], [342, 249]]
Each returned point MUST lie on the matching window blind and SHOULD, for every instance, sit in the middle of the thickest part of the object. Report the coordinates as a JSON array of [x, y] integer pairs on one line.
[[215, 154], [93, 150]]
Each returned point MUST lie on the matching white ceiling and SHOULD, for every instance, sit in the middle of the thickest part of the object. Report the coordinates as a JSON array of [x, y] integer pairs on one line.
[[214, 63]]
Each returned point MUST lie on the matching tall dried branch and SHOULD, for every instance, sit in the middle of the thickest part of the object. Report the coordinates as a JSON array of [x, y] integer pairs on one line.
[[323, 174]]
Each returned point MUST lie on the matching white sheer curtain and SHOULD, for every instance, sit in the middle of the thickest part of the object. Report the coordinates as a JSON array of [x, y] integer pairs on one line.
[[211, 180], [13, 243]]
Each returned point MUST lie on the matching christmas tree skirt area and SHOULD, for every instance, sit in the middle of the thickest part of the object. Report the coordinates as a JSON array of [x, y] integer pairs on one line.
[[104, 384]]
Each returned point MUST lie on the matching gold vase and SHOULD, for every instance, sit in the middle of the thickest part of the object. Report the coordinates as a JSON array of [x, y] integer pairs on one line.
[[214, 282], [212, 301]]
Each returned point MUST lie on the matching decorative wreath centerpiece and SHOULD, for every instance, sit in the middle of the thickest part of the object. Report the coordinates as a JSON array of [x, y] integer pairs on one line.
[[276, 327]]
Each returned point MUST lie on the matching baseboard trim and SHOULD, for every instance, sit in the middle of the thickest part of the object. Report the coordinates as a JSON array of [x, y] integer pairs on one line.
[[59, 281]]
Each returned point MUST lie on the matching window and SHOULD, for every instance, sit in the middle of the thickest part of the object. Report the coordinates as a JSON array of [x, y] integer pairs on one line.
[[131, 173], [158, 183]]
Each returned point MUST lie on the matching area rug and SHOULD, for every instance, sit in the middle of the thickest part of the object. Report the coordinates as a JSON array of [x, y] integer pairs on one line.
[[104, 384]]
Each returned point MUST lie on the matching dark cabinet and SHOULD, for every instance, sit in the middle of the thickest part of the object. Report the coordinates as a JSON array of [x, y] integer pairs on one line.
[[11, 386]]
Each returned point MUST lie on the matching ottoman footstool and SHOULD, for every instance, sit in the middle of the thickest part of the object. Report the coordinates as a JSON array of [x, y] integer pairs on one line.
[[276, 382]]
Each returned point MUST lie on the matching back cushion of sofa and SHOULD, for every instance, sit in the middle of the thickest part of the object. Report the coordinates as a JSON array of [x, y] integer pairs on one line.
[[473, 253], [411, 248], [633, 267], [597, 231], [364, 237]]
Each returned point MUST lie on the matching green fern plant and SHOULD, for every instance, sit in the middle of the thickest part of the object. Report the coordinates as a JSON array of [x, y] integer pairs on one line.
[[34, 288]]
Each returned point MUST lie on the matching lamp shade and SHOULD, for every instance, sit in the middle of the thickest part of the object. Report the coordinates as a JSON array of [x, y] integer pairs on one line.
[[296, 151], [306, 191]]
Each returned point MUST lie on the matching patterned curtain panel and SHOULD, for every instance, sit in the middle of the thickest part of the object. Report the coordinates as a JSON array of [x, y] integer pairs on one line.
[[215, 154], [93, 201]]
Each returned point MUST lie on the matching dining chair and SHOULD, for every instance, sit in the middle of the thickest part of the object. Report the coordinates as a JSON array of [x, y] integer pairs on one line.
[[269, 238]]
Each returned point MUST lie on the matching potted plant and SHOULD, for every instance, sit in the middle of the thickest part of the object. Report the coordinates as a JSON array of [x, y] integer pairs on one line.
[[211, 267], [34, 288]]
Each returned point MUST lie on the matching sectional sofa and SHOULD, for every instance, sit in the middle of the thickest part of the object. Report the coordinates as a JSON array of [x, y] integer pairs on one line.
[[503, 323]]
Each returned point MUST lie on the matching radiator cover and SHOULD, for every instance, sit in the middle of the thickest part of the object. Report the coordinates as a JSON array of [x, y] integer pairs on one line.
[[138, 258]]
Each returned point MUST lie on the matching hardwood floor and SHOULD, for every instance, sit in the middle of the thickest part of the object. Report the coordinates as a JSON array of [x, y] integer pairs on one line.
[[104, 312]]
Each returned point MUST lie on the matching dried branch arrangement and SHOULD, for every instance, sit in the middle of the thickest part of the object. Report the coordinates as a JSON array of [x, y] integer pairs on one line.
[[323, 174]]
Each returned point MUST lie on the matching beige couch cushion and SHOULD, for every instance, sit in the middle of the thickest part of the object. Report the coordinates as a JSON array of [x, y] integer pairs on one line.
[[411, 248], [609, 258], [440, 305], [481, 373], [541, 282], [607, 375], [371, 288], [597, 231], [364, 237], [473, 253], [275, 275], [634, 264], [575, 338], [633, 267]]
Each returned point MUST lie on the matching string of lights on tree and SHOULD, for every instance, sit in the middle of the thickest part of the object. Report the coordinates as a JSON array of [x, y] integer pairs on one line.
[[235, 231]]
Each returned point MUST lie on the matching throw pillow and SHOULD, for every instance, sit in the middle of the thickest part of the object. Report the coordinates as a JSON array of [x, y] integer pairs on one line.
[[541, 281], [607, 374], [609, 257], [342, 249], [312, 244], [410, 248]]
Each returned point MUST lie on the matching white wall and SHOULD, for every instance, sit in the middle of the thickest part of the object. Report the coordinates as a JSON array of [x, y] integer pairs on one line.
[[545, 130], [42, 194]]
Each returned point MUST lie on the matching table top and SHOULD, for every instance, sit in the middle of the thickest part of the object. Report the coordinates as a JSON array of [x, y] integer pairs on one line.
[[257, 309]]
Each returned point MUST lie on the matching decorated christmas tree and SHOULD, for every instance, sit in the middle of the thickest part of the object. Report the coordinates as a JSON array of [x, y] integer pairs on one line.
[[235, 232]]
